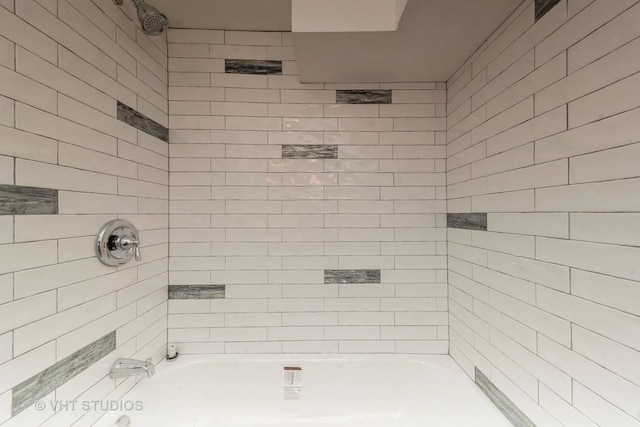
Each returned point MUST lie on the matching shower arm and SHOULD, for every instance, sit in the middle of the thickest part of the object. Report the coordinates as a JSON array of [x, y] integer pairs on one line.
[[135, 2]]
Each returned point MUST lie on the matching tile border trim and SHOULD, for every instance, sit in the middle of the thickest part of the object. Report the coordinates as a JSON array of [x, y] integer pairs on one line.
[[252, 66], [20, 200], [309, 151], [543, 7], [29, 391], [139, 121], [351, 276], [502, 402], [467, 221], [186, 292], [364, 96]]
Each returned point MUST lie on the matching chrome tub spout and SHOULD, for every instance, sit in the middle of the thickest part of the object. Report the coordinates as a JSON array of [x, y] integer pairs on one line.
[[132, 367]]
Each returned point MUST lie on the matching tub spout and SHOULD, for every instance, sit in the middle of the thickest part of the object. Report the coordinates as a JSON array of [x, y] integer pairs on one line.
[[132, 367]]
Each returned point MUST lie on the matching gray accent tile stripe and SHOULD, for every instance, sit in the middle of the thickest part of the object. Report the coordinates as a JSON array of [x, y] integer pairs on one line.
[[309, 151], [140, 121], [250, 66], [16, 200], [363, 96], [196, 291], [502, 402], [43, 383], [351, 276], [467, 221], [544, 6]]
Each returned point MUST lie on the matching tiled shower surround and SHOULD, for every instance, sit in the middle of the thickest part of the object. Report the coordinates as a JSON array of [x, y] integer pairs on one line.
[[320, 208], [494, 217]]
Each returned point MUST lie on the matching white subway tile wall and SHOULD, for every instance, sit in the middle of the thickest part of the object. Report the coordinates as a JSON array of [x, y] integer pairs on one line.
[[543, 136], [268, 227], [63, 67]]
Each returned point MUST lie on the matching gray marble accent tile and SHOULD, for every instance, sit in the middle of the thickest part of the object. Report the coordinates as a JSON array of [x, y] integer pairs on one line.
[[196, 291], [38, 386], [309, 151], [544, 6], [468, 221], [502, 402], [363, 96], [16, 200], [140, 121], [351, 276], [251, 66]]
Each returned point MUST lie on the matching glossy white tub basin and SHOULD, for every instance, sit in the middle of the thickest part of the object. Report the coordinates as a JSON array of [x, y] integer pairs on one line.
[[337, 391]]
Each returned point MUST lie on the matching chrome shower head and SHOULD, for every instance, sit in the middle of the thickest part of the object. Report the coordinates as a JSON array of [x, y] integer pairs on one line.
[[152, 20]]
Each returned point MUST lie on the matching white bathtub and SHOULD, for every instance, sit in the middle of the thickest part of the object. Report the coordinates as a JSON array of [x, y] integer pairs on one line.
[[336, 391]]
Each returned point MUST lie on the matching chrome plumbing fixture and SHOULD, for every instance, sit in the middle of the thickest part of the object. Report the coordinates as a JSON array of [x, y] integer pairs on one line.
[[152, 20], [132, 367], [118, 242], [123, 421]]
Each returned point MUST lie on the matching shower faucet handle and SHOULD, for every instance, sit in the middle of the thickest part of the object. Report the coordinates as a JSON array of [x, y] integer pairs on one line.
[[126, 243]]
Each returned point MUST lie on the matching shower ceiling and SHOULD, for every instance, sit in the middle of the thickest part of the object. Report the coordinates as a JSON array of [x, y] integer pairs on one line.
[[433, 39]]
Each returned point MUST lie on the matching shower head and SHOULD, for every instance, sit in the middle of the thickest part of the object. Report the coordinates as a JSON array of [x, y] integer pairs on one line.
[[152, 20]]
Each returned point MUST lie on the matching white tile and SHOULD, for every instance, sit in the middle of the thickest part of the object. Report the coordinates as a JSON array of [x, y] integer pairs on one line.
[[7, 53], [551, 275], [606, 290], [196, 94], [577, 28], [550, 123], [510, 285], [27, 255], [37, 174], [608, 259], [513, 159], [562, 410], [596, 197], [38, 333], [534, 224], [543, 175], [617, 358], [607, 321], [6, 229], [86, 71], [533, 35], [7, 111], [6, 288], [615, 389], [614, 99], [41, 123], [296, 333], [599, 409], [548, 374], [27, 36], [614, 66], [614, 228], [178, 35], [542, 321], [413, 124], [367, 347], [615, 163], [88, 203], [517, 331], [312, 347]]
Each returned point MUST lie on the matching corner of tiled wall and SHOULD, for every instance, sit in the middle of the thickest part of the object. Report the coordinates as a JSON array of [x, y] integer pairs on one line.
[[83, 124]]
